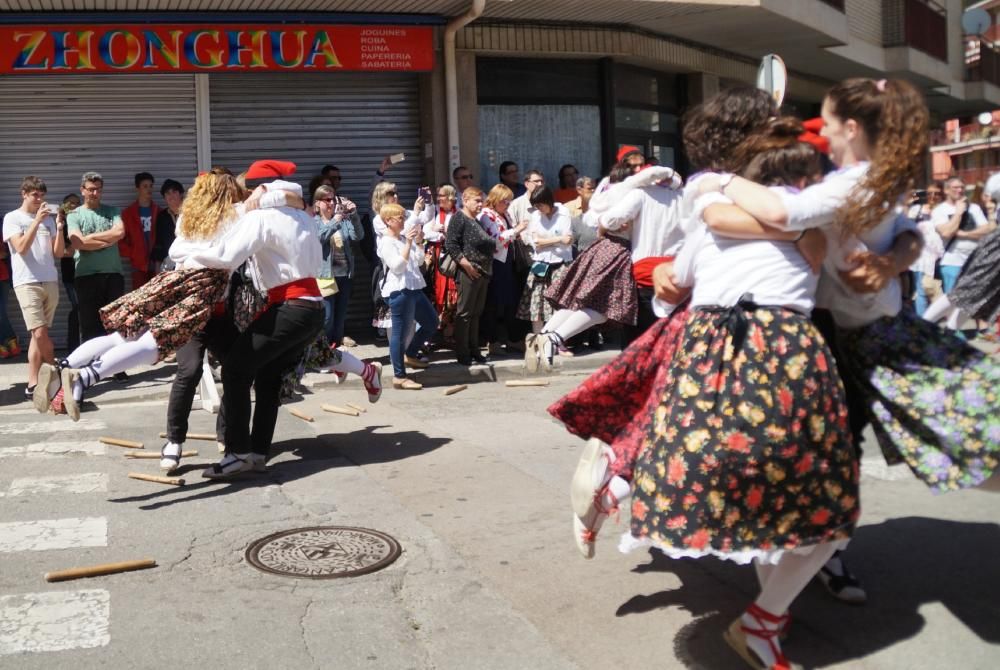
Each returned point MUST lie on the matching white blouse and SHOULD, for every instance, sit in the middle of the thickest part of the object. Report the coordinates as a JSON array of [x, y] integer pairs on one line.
[[401, 273], [541, 226]]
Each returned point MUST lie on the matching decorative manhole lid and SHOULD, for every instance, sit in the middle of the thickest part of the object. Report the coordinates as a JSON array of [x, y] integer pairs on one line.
[[323, 552]]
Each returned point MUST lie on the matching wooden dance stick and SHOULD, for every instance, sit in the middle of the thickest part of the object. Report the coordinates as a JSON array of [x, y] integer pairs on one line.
[[150, 454], [357, 407], [334, 409], [208, 437], [97, 570], [173, 481], [527, 382], [456, 389], [115, 442], [301, 415]]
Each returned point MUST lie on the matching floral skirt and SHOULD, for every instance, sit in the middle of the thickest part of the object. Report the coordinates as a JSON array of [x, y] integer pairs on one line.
[[173, 306], [600, 279], [615, 404], [317, 355], [749, 453], [533, 305], [977, 291], [933, 400]]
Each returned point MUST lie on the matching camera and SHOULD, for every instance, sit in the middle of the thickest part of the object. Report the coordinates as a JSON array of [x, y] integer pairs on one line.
[[425, 193], [920, 196]]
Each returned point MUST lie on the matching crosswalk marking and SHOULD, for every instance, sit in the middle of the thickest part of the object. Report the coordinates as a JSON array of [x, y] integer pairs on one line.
[[54, 621], [55, 449], [53, 534], [56, 425], [85, 483]]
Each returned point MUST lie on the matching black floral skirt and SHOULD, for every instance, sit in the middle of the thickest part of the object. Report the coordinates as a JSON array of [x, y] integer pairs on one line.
[[977, 291], [173, 306], [600, 279], [749, 453]]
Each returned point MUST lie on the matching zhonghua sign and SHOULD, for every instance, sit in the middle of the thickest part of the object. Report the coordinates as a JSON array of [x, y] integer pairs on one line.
[[86, 49]]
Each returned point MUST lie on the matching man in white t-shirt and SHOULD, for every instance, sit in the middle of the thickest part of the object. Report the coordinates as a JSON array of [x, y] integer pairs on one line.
[[35, 242], [961, 225]]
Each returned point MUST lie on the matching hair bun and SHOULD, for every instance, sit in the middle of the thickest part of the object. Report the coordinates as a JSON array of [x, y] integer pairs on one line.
[[785, 126]]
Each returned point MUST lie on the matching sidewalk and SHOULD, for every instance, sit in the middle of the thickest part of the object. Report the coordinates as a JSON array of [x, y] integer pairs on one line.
[[153, 382]]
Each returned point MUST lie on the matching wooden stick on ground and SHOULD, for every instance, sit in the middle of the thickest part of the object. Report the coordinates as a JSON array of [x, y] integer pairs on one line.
[[456, 389], [357, 407], [301, 415], [115, 442], [173, 481], [527, 382], [96, 570], [335, 409], [208, 437], [150, 454]]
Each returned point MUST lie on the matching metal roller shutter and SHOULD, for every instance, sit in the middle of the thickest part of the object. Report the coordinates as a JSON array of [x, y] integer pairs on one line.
[[349, 120], [58, 127]]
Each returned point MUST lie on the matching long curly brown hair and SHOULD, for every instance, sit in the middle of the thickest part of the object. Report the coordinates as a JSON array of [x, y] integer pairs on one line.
[[774, 156], [209, 205], [895, 121], [713, 129]]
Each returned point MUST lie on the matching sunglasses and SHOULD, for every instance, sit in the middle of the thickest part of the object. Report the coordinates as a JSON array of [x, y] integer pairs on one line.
[[325, 200], [391, 193]]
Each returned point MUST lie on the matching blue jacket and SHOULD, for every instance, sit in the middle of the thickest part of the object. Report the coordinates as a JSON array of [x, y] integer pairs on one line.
[[350, 229]]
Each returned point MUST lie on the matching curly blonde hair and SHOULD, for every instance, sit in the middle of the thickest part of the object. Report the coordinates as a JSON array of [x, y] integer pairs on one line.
[[380, 194], [896, 123], [208, 206]]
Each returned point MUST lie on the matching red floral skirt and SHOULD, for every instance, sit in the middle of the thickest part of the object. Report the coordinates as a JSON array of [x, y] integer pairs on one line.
[[173, 306], [616, 403]]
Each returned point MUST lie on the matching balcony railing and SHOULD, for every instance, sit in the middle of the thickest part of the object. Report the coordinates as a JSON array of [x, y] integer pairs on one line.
[[982, 62], [919, 24]]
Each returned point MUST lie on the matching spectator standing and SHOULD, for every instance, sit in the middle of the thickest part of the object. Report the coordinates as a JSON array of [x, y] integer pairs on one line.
[[923, 268], [522, 208], [35, 241], [510, 176], [445, 289], [502, 296], [583, 235], [166, 224], [8, 340], [338, 226], [961, 225], [413, 317], [551, 233], [67, 270], [94, 231], [568, 175], [472, 248], [140, 231], [462, 178]]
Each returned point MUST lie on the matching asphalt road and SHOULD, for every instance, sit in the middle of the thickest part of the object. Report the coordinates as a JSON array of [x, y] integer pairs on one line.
[[474, 486]]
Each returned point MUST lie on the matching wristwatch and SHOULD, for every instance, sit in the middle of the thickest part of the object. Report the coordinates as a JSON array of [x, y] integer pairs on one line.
[[724, 181]]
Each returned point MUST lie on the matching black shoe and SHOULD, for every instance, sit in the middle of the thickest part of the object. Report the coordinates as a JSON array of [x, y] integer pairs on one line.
[[121, 377], [480, 359], [29, 392], [844, 587], [465, 361]]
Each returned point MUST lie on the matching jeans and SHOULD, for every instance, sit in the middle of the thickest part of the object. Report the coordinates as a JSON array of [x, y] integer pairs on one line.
[[217, 336], [6, 329], [949, 275], [73, 320], [94, 292], [409, 307], [920, 301], [335, 311], [259, 357]]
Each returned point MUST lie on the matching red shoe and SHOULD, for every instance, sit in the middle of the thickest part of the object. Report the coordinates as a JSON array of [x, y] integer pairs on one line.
[[56, 405], [13, 348], [4, 353]]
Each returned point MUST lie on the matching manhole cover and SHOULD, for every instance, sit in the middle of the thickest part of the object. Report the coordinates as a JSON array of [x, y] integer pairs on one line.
[[323, 552]]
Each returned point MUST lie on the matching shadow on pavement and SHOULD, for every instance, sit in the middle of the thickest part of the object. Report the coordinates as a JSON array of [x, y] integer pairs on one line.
[[905, 564], [360, 447]]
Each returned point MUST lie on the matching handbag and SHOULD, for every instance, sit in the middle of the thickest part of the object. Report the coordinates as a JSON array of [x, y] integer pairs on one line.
[[447, 265], [522, 256], [541, 269]]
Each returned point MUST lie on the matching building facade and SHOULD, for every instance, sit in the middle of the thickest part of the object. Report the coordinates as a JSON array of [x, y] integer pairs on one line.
[[88, 86]]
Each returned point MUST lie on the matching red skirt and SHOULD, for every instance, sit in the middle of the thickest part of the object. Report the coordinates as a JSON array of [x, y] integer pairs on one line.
[[616, 403]]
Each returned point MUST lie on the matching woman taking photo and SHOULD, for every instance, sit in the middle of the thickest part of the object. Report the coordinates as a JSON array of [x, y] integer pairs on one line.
[[413, 317], [338, 227]]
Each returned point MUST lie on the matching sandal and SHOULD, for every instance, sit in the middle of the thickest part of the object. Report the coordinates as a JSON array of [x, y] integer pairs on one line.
[[844, 587], [737, 633], [169, 460], [230, 466]]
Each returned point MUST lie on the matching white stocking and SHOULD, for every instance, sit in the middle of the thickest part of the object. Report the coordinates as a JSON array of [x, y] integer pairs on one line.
[[764, 571], [556, 320], [577, 322], [128, 354], [792, 573], [92, 349], [349, 363], [938, 309], [955, 319]]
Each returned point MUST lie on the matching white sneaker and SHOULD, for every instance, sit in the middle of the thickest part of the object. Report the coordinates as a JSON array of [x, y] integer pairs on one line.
[[259, 462]]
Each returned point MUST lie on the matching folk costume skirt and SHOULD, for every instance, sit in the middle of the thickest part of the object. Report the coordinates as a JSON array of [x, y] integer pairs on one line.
[[173, 306], [933, 400], [600, 279], [977, 291], [533, 305], [749, 453], [615, 404]]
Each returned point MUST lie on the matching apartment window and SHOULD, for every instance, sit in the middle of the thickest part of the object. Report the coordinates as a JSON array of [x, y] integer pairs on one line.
[[836, 4]]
